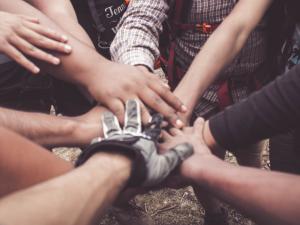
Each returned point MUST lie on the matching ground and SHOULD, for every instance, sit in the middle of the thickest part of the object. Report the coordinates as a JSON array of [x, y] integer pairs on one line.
[[164, 207]]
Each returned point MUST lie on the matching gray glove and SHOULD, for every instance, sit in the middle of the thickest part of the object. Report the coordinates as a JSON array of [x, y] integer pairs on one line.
[[149, 167]]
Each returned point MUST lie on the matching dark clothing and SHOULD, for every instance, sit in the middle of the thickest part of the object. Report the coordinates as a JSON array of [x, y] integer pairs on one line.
[[273, 110], [21, 90], [99, 18], [285, 152]]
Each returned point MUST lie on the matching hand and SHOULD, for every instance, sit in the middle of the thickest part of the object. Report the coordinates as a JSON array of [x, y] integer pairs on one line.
[[89, 126], [22, 35], [118, 83], [193, 136], [149, 168]]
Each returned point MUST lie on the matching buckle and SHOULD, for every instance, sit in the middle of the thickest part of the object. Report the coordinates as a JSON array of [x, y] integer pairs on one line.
[[204, 28]]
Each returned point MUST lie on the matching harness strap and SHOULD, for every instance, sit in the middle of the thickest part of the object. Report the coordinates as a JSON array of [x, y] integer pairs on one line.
[[201, 27], [224, 95]]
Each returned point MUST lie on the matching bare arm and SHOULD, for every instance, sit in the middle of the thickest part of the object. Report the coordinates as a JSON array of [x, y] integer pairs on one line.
[[63, 14], [78, 197], [220, 49], [267, 197], [109, 83], [53, 131]]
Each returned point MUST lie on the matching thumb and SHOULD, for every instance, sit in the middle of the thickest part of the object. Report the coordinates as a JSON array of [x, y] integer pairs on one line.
[[178, 154]]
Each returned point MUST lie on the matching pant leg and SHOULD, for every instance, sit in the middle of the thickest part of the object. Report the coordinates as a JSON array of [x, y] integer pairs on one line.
[[250, 155]]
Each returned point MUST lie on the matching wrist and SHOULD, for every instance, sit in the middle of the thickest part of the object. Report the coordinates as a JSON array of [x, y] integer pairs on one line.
[[208, 137], [195, 169], [118, 165]]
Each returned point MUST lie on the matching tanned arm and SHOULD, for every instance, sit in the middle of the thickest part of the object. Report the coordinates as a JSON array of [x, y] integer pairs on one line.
[[79, 197], [109, 83], [53, 131], [63, 14], [267, 197]]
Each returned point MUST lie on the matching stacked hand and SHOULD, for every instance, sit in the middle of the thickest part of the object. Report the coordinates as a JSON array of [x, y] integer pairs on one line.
[[149, 167], [118, 83], [22, 36], [194, 136]]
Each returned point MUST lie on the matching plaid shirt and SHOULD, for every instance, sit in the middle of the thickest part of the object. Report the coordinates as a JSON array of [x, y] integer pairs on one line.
[[137, 40]]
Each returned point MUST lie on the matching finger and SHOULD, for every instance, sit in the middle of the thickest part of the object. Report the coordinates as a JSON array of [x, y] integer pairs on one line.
[[198, 124], [44, 42], [157, 104], [165, 135], [166, 94], [110, 125], [117, 108], [175, 131], [133, 124], [146, 117], [32, 51], [16, 55], [47, 32], [30, 19]]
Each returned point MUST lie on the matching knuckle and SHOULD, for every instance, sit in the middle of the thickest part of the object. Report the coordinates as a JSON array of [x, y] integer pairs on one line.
[[3, 42]]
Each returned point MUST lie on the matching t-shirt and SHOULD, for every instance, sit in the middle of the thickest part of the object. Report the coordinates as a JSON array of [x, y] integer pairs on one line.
[[100, 18]]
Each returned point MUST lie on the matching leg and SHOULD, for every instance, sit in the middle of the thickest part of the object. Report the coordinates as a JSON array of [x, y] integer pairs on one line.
[[23, 163], [250, 155], [283, 153]]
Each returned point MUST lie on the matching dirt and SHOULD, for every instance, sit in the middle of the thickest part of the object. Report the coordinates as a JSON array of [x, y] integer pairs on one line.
[[167, 206]]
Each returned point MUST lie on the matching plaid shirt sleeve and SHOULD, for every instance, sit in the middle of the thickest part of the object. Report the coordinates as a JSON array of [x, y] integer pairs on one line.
[[137, 39]]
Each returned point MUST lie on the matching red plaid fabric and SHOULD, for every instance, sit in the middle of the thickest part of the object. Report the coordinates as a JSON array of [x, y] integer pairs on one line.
[[137, 40]]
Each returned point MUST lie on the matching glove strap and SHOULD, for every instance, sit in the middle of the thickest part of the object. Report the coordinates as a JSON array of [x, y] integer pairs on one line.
[[124, 147]]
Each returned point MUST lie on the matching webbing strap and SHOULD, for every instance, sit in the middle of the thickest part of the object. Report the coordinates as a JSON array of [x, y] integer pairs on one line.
[[224, 96]]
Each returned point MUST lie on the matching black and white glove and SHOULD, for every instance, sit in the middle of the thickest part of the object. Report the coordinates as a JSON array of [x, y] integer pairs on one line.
[[149, 167]]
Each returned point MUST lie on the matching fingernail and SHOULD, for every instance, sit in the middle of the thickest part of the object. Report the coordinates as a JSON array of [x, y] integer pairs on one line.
[[36, 70], [64, 38], [68, 48], [184, 108], [179, 123], [56, 61], [166, 85]]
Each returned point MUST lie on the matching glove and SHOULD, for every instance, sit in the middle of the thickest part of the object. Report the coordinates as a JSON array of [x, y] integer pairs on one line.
[[149, 167]]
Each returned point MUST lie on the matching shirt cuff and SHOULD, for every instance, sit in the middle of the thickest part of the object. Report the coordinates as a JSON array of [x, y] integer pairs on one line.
[[220, 130], [137, 57]]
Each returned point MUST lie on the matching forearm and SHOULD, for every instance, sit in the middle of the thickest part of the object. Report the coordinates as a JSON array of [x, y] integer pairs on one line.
[[137, 39], [220, 49], [260, 194], [47, 130], [63, 14], [82, 201], [74, 67], [273, 110]]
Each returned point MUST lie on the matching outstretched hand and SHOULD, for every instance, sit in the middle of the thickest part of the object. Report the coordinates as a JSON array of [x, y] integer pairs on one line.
[[119, 83], [192, 135], [149, 167], [22, 36]]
